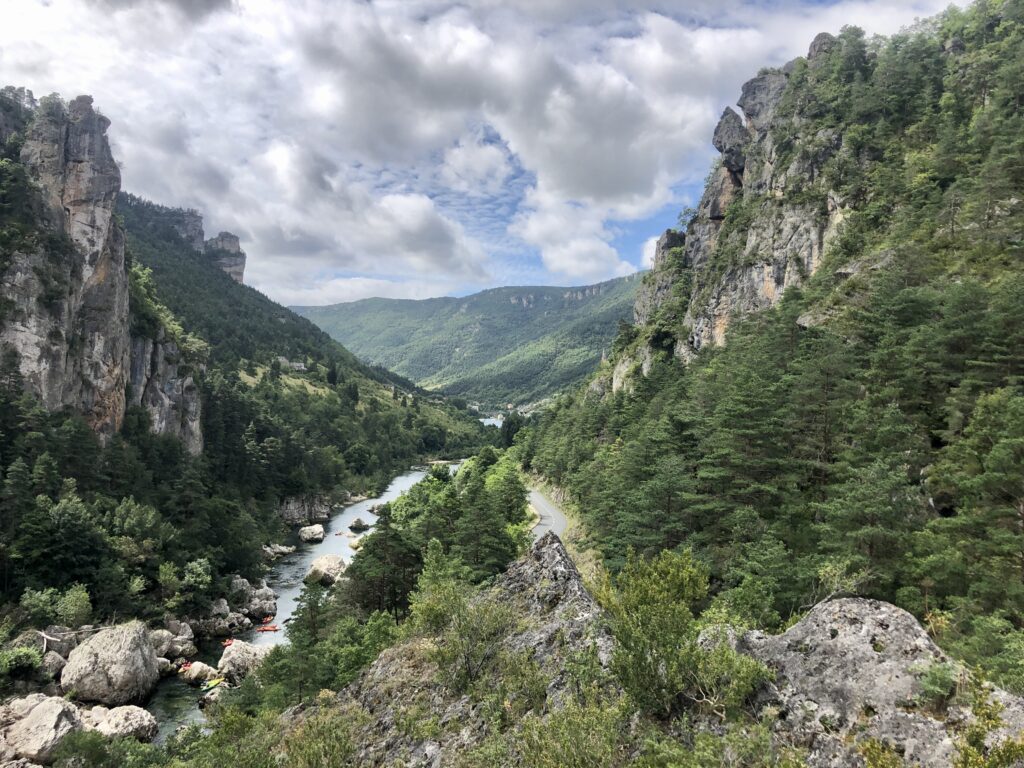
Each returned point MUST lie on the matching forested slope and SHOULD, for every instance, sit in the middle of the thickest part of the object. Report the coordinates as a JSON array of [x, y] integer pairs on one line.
[[518, 344], [834, 350], [148, 431]]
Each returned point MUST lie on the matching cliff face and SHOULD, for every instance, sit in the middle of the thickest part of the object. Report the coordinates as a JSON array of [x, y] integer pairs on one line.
[[227, 253], [163, 385], [758, 230], [67, 297]]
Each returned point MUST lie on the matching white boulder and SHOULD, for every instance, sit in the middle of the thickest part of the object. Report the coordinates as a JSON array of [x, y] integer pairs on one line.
[[312, 534], [325, 570], [115, 666]]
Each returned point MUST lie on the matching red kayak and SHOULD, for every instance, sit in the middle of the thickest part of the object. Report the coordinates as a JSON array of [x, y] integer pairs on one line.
[[269, 628]]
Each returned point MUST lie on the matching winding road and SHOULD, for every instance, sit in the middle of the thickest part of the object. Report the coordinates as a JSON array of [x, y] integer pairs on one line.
[[551, 516]]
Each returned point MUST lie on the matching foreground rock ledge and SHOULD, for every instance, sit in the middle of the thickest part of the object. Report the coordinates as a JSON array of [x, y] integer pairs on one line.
[[850, 671], [847, 672]]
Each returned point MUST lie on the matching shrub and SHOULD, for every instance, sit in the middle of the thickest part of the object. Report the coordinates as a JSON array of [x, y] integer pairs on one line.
[[40, 605], [74, 607], [472, 641]]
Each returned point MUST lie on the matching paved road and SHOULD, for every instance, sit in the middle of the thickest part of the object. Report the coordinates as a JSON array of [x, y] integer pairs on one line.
[[551, 517]]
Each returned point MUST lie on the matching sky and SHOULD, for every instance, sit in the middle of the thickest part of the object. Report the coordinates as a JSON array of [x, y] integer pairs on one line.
[[415, 148]]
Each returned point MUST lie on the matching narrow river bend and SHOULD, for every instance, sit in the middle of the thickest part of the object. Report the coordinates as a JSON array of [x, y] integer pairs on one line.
[[175, 704]]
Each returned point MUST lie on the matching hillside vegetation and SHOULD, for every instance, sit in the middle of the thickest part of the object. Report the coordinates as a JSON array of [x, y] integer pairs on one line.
[[504, 345], [866, 435]]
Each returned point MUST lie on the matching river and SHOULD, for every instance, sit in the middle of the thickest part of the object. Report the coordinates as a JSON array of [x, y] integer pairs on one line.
[[174, 703]]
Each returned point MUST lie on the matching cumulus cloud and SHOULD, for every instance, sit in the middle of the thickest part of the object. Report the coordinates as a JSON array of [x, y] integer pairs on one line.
[[411, 146], [648, 251]]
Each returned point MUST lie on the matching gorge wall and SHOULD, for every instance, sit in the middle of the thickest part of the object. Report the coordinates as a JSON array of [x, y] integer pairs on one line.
[[67, 318], [763, 222]]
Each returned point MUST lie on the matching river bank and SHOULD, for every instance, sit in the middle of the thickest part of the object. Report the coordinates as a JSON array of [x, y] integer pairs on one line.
[[175, 703]]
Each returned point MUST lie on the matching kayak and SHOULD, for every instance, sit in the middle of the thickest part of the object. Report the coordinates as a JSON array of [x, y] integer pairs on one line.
[[269, 628], [228, 642], [209, 685]]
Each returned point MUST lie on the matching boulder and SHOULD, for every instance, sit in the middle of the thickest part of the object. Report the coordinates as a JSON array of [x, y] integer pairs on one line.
[[274, 551], [180, 629], [53, 664], [222, 621], [165, 666], [312, 534], [240, 659], [325, 570], [198, 673], [128, 721], [161, 640], [115, 666], [252, 601], [40, 731]]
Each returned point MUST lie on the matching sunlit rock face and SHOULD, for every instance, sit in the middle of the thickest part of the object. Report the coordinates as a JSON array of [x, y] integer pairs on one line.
[[66, 313], [66, 318], [698, 285]]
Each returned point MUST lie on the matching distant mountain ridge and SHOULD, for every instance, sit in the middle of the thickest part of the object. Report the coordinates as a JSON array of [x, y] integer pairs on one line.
[[515, 344]]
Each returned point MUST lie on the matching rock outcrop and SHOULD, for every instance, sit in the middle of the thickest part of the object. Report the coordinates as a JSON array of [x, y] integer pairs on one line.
[[33, 727], [771, 165], [226, 252], [850, 671], [189, 224], [161, 381], [115, 666], [557, 619], [66, 313], [67, 298], [305, 510]]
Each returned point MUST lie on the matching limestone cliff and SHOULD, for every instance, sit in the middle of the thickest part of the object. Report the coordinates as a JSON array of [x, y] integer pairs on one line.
[[67, 295], [162, 382], [66, 290], [762, 225], [227, 253]]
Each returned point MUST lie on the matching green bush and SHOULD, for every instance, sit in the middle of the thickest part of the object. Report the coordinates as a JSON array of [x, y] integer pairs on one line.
[[472, 641]]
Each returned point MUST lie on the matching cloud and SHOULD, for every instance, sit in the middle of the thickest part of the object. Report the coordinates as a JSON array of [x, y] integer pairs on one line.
[[475, 166], [647, 253], [417, 145], [194, 9]]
